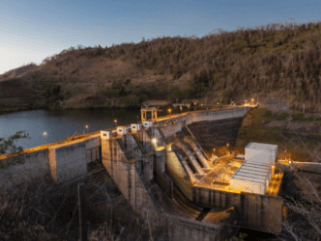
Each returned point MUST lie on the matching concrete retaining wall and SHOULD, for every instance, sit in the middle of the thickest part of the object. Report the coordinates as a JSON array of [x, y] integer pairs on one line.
[[257, 211], [93, 149], [68, 162], [41, 162], [190, 230], [127, 175], [29, 165]]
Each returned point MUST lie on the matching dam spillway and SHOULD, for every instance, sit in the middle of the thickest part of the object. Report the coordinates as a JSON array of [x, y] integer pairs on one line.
[[162, 179]]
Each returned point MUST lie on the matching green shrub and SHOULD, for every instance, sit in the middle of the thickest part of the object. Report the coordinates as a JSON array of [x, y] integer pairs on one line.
[[318, 119], [127, 82], [116, 85], [280, 116], [300, 117], [260, 116], [226, 95]]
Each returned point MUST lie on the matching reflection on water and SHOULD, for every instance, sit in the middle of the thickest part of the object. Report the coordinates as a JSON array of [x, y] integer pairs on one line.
[[58, 125]]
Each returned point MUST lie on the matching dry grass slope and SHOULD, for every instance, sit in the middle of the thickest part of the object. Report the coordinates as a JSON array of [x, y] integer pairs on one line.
[[274, 59]]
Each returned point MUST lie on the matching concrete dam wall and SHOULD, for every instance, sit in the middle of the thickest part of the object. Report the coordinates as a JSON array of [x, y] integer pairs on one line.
[[217, 133], [172, 124], [150, 174], [61, 161]]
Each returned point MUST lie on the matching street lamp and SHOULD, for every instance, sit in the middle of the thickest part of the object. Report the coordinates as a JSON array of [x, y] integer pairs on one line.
[[169, 111], [228, 149], [45, 135], [86, 126], [115, 122], [154, 140]]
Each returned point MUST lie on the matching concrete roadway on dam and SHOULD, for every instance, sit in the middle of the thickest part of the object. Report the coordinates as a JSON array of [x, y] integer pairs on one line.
[[313, 167], [171, 116]]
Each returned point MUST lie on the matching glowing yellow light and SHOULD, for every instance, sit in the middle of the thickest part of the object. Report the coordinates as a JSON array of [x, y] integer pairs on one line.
[[154, 140], [169, 111], [252, 99], [115, 121], [87, 126], [44, 133]]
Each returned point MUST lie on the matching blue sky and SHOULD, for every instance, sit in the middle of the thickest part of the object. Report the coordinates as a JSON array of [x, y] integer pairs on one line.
[[35, 29]]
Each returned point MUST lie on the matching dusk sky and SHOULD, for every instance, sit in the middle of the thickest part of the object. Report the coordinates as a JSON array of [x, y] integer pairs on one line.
[[33, 30]]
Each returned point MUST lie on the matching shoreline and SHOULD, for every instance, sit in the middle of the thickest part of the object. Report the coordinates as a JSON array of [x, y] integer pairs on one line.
[[17, 109]]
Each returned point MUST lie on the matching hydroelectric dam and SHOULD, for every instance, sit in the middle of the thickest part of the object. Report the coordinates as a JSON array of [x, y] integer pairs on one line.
[[163, 167]]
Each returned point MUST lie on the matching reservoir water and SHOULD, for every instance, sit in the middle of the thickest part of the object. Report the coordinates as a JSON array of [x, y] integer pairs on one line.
[[59, 124]]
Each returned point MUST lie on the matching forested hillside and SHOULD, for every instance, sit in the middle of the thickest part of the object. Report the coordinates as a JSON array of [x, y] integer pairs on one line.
[[274, 60]]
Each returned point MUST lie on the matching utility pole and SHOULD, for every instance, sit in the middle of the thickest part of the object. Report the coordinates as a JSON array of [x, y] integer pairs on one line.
[[83, 228]]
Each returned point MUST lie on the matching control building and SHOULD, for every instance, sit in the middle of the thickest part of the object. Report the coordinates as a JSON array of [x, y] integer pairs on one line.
[[255, 173]]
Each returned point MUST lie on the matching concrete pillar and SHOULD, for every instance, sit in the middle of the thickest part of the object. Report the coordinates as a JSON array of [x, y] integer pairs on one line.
[[148, 167], [145, 140], [106, 157], [273, 170], [68, 162], [160, 161], [52, 163], [156, 132]]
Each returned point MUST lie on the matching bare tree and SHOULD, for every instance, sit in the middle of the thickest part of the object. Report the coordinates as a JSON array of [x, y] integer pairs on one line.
[[303, 200]]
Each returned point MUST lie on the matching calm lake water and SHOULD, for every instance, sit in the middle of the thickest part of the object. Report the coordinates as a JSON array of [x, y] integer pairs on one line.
[[60, 124]]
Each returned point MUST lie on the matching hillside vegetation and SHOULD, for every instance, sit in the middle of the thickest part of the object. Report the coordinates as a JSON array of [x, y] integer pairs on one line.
[[18, 71], [274, 60], [298, 138]]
